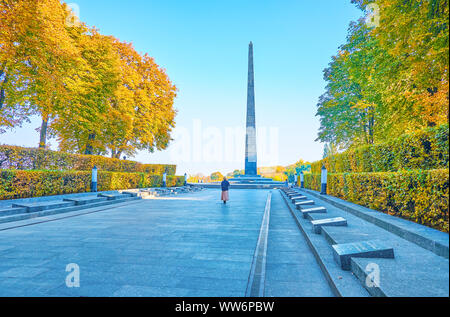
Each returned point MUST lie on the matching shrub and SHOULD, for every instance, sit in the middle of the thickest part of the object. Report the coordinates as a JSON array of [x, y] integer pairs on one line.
[[24, 184], [417, 195], [426, 149], [20, 158]]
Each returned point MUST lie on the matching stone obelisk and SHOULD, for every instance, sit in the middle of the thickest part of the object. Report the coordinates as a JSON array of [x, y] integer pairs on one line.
[[250, 136]]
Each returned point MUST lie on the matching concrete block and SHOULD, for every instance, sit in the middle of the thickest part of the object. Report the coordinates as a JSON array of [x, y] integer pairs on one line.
[[336, 222], [12, 211], [300, 197], [300, 204], [317, 210], [365, 249], [35, 207], [86, 200]]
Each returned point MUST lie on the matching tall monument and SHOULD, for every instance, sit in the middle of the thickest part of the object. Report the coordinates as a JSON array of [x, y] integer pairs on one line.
[[250, 136]]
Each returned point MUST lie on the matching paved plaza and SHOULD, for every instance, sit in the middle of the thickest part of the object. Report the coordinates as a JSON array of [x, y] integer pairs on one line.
[[191, 245]]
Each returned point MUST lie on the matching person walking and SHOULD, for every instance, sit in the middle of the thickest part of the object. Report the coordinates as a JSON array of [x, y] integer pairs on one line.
[[225, 186]]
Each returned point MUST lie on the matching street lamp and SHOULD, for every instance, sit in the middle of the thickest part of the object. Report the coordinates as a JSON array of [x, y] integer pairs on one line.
[[94, 179], [164, 179], [323, 181], [302, 180]]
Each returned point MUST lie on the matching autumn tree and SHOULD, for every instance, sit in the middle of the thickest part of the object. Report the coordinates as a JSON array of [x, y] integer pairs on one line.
[[390, 78], [299, 166], [79, 127], [38, 58], [141, 114], [15, 17], [94, 93], [216, 176]]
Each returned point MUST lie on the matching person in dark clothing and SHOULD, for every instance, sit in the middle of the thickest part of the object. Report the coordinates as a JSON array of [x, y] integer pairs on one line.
[[225, 186]]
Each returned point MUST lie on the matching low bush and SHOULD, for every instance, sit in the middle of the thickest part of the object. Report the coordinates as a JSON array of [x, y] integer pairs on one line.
[[418, 195], [20, 158], [426, 149], [24, 184]]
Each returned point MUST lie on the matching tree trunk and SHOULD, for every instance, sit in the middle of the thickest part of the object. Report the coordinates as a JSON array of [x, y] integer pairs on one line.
[[43, 136], [89, 148], [371, 124], [2, 92]]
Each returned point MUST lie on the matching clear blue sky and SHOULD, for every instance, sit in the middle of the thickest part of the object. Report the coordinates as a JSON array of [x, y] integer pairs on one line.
[[203, 46]]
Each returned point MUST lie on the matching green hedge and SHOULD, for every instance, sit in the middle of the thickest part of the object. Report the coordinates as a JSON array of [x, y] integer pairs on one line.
[[24, 184], [427, 149], [418, 195], [20, 158]]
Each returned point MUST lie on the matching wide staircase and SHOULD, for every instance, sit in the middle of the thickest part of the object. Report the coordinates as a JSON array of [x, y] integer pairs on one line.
[[363, 252], [31, 208]]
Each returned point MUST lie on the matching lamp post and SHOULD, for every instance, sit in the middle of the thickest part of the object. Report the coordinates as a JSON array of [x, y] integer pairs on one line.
[[323, 181], [94, 179], [302, 180]]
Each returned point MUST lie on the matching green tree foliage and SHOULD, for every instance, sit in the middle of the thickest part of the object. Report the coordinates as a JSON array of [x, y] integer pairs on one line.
[[297, 168], [216, 176], [389, 78]]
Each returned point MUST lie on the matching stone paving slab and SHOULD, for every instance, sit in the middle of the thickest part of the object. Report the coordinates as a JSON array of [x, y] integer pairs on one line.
[[189, 246], [291, 269]]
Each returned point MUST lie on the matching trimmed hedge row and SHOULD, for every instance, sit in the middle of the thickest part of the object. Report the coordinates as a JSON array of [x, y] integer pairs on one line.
[[24, 184], [418, 195], [426, 149], [20, 158]]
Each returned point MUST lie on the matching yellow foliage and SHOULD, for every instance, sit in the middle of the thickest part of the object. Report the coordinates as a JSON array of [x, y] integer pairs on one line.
[[16, 184], [418, 195]]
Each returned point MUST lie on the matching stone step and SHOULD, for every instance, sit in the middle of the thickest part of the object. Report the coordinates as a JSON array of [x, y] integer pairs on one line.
[[313, 216], [12, 211], [302, 203], [86, 200], [422, 277], [132, 194], [294, 198], [365, 249], [114, 196], [45, 205], [340, 235], [335, 222], [50, 212], [425, 237], [342, 282], [316, 210], [415, 271]]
